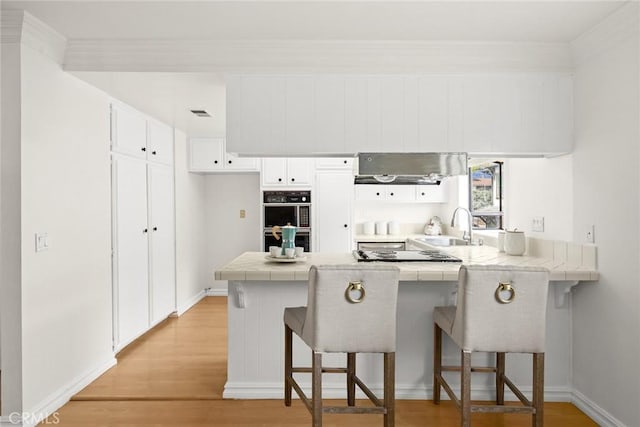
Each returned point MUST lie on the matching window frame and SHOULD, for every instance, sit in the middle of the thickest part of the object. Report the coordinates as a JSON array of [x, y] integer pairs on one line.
[[500, 213]]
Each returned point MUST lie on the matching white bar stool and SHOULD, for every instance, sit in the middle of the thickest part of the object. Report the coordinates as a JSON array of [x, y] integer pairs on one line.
[[500, 309], [350, 309]]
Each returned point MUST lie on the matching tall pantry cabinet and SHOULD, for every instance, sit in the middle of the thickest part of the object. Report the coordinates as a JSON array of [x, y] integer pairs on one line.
[[143, 223]]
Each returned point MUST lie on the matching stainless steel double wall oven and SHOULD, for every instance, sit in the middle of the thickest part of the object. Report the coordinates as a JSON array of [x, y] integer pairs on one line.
[[287, 207]]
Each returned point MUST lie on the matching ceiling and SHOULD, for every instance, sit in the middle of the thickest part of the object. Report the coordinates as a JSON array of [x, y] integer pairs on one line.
[[169, 95]]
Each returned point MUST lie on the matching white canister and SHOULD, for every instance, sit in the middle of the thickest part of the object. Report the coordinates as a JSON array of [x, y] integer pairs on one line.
[[501, 241], [514, 242], [394, 227], [368, 228], [381, 227]]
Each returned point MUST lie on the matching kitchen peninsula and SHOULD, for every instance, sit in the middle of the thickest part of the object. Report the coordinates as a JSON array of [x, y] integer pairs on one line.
[[259, 291]]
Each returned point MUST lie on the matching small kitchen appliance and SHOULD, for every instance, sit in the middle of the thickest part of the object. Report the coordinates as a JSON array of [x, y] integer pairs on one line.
[[288, 233]]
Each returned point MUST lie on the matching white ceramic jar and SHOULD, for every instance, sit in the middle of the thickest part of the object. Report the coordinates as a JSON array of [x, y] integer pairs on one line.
[[393, 227], [381, 227], [501, 241], [368, 228], [514, 242]]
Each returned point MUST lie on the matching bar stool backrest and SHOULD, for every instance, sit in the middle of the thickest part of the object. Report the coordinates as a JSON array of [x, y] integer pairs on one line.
[[516, 324], [360, 320]]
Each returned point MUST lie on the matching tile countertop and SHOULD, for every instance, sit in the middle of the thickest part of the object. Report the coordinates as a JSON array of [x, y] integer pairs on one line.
[[254, 266]]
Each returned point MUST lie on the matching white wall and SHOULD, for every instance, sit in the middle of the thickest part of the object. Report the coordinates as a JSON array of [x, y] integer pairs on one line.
[[192, 274], [606, 318], [10, 269], [66, 305], [540, 187], [228, 235]]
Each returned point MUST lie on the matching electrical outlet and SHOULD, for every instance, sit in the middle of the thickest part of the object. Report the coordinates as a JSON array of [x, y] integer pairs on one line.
[[590, 233], [243, 213], [42, 242], [537, 224]]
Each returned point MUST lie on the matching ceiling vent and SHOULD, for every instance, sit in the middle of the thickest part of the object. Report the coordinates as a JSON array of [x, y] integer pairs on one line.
[[201, 113]]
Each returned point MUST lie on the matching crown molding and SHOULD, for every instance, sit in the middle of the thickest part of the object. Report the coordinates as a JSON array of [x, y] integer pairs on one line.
[[617, 27], [19, 26], [313, 56]]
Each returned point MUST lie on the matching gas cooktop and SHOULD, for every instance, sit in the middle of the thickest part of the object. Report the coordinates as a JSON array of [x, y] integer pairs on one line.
[[427, 255]]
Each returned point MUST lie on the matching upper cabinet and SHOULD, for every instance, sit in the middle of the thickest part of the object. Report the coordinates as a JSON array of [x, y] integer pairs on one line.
[[134, 134], [287, 172], [209, 155], [315, 115]]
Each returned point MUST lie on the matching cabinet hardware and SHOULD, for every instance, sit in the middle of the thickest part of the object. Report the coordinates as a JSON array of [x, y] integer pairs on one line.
[[144, 148], [345, 226], [377, 194], [145, 230], [215, 162], [279, 179], [422, 193], [153, 152], [155, 228], [392, 194], [293, 179], [229, 161], [344, 161]]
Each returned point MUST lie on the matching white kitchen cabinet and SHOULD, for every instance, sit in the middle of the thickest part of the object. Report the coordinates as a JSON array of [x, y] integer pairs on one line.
[[384, 192], [162, 271], [333, 202], [130, 249], [491, 113], [128, 131], [208, 155], [402, 193], [143, 246], [344, 163], [137, 135], [432, 193], [287, 172]]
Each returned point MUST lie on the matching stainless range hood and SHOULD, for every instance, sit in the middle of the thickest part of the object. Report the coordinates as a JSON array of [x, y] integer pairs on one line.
[[409, 168]]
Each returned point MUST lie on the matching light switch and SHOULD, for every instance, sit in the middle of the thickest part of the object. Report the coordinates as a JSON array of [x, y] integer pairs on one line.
[[537, 224], [42, 242]]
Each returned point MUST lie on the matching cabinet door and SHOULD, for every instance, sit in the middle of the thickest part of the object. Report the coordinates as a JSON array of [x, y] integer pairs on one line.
[[345, 163], [299, 171], [160, 143], [233, 163], [130, 242], [333, 202], [431, 193], [206, 154], [300, 115], [400, 193], [274, 171], [370, 192], [128, 131], [162, 242], [392, 114], [433, 121]]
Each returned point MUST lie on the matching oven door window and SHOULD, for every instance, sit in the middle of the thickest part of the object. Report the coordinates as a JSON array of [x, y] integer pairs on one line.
[[280, 215]]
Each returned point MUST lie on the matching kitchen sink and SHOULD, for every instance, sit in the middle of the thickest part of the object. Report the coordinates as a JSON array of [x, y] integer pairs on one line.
[[442, 241]]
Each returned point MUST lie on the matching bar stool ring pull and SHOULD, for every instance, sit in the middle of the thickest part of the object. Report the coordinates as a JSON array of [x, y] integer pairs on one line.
[[354, 287], [502, 288]]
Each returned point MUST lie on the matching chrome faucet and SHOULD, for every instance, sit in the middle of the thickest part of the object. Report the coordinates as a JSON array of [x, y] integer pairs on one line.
[[466, 236]]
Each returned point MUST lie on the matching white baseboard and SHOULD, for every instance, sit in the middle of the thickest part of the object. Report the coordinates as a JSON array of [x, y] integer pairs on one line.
[[595, 412], [57, 399], [243, 390], [217, 292], [185, 306]]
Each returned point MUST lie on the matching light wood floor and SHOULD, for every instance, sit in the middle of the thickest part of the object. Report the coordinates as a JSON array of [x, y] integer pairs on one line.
[[174, 376]]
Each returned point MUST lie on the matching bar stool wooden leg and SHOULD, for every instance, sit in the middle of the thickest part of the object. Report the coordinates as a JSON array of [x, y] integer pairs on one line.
[[538, 390], [437, 362], [316, 389], [500, 360], [351, 384], [288, 363], [465, 389], [390, 389]]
